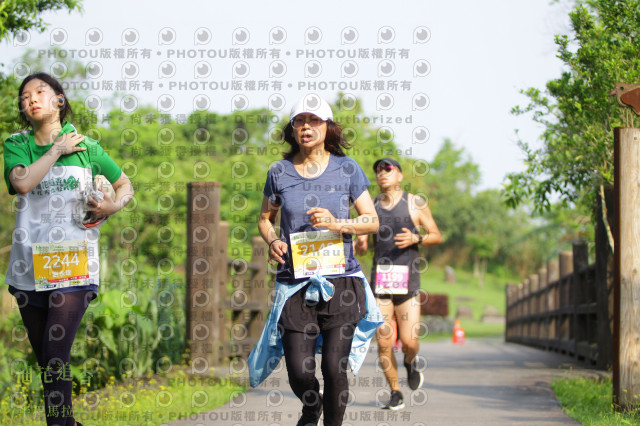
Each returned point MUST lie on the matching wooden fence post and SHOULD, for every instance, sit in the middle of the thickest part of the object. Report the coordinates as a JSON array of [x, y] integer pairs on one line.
[[520, 310], [526, 307], [542, 306], [533, 307], [223, 321], [239, 304], [543, 283], [578, 331], [259, 285], [604, 282], [626, 365], [509, 317], [553, 276], [203, 217], [564, 318], [248, 302], [565, 259]]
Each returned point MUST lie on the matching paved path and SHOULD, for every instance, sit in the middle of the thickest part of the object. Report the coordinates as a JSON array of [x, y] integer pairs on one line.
[[483, 382]]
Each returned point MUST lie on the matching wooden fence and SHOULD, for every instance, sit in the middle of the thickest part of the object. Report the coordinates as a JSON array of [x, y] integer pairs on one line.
[[556, 309], [567, 306], [592, 312], [226, 296]]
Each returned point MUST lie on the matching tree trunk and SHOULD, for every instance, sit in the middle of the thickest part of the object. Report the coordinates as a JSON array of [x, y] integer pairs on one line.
[[483, 269], [476, 268]]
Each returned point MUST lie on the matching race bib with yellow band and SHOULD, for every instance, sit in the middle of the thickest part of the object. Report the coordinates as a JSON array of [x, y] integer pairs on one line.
[[320, 252], [392, 279], [59, 265]]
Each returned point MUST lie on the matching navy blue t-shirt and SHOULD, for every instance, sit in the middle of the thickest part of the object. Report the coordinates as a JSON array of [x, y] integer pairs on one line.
[[342, 182]]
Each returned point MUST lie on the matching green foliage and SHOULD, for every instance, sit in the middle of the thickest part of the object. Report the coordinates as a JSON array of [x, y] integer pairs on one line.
[[130, 333], [16, 15], [16, 355], [476, 225], [512, 238], [589, 401], [452, 176], [9, 104], [148, 400], [576, 110]]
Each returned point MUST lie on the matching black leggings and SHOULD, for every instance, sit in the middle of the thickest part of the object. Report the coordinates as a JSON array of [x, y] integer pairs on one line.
[[300, 359], [51, 332]]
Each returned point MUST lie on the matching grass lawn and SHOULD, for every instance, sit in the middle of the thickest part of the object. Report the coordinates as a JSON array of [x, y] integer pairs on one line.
[[141, 401], [466, 291], [589, 401]]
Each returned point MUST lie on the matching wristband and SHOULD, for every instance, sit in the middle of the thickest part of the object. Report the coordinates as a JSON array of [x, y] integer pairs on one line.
[[273, 241]]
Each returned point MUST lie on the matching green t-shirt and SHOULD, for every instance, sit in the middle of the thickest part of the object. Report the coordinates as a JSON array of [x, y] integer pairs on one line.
[[20, 149], [45, 215]]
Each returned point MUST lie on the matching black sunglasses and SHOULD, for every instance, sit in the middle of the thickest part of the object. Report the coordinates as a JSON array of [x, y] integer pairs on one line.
[[385, 167]]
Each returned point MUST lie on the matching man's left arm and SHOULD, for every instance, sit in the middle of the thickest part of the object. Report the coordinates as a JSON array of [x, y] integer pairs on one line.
[[426, 221]]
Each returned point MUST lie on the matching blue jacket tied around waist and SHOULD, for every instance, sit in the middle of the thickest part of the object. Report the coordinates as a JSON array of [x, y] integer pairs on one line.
[[266, 355]]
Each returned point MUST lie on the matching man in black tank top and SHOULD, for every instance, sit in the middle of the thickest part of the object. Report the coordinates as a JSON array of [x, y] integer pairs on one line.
[[395, 276]]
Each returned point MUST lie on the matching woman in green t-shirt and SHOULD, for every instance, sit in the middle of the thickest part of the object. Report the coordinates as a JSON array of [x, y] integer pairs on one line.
[[54, 264]]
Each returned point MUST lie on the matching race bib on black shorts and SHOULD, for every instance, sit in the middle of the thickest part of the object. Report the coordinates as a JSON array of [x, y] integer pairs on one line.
[[392, 279]]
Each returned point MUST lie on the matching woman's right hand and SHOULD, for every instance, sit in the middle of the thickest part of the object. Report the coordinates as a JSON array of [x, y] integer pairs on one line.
[[25, 179], [362, 244], [67, 144], [277, 249]]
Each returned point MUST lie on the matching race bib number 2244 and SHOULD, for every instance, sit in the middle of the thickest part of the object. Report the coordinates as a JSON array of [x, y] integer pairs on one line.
[[58, 265]]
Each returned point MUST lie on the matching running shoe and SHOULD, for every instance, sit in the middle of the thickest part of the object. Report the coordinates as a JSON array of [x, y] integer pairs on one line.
[[414, 376], [395, 402]]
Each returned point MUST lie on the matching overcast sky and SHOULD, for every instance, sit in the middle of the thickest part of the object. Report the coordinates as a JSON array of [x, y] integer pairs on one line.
[[425, 69]]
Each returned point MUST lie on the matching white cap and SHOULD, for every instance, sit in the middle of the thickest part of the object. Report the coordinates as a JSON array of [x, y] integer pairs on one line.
[[312, 104]]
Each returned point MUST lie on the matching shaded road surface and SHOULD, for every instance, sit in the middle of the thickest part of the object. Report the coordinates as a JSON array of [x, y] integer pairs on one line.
[[483, 382]]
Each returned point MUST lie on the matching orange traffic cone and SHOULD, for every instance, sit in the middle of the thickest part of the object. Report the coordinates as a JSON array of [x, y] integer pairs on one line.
[[458, 333]]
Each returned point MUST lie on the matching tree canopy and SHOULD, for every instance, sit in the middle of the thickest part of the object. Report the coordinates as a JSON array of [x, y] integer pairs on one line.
[[576, 109], [24, 15]]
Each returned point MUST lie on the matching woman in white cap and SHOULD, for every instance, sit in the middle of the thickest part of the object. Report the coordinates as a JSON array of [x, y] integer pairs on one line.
[[321, 293], [54, 263]]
